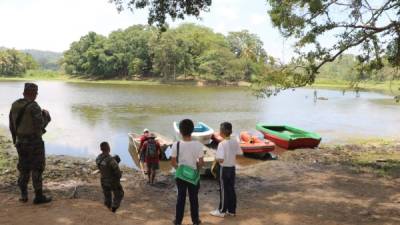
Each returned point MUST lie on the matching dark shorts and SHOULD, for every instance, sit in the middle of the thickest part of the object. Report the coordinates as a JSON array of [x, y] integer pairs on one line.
[[153, 166]]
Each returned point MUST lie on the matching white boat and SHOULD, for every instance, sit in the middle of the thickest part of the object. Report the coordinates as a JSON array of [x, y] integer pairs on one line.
[[201, 133]]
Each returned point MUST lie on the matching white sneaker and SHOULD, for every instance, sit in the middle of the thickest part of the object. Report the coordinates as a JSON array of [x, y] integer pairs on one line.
[[217, 213], [230, 214]]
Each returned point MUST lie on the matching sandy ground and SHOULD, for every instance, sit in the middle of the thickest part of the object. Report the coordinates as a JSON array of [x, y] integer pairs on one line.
[[279, 192]]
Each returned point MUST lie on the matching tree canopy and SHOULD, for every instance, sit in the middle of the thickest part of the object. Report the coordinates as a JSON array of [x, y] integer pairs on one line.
[[14, 62], [323, 30], [326, 29], [160, 9], [188, 52]]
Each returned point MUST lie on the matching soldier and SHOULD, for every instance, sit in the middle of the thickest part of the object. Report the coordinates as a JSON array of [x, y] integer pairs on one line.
[[27, 125], [110, 177]]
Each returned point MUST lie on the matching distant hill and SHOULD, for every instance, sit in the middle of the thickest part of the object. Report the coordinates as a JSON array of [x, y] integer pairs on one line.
[[47, 60]]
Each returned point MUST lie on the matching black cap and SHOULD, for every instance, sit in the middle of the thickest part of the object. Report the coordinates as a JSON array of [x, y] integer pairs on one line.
[[30, 87]]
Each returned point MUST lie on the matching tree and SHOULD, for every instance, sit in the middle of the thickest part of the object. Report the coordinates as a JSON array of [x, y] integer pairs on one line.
[[159, 9], [166, 55], [14, 62], [249, 48], [87, 56], [219, 65], [188, 51], [247, 45], [370, 26]]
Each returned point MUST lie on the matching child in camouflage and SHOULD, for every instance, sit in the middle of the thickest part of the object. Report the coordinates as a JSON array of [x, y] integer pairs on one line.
[[110, 177]]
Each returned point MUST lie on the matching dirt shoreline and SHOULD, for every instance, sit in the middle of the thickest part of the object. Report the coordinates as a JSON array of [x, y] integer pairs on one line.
[[330, 185]]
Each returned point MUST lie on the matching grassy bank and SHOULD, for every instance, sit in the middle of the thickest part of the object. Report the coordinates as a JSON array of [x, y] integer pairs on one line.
[[390, 88], [47, 75], [38, 75]]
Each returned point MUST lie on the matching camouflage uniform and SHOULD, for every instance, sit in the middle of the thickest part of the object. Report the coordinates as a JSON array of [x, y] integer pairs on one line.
[[110, 180], [28, 141]]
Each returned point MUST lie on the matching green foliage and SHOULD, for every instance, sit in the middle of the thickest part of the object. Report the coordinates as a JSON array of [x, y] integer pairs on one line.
[[370, 26], [160, 9], [14, 62], [186, 52]]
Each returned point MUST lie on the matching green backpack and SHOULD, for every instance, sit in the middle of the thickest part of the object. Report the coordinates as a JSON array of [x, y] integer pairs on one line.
[[186, 173]]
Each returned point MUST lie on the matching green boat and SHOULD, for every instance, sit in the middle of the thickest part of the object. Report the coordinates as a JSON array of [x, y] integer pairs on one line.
[[289, 137]]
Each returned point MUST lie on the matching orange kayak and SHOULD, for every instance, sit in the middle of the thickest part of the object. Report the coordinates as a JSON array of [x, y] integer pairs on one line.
[[254, 145]]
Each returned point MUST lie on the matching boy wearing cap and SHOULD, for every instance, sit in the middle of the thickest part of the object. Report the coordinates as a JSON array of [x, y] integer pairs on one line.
[[151, 148], [227, 151], [110, 177]]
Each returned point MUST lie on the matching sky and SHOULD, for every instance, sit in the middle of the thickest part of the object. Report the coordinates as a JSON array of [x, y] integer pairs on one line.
[[54, 24]]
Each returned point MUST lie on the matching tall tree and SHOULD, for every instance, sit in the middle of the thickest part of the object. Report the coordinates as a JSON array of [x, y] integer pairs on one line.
[[247, 45], [14, 62], [249, 48], [326, 29]]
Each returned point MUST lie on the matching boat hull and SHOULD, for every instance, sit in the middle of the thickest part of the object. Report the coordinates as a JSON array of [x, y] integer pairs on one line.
[[297, 139], [204, 136], [293, 144], [256, 146], [134, 141]]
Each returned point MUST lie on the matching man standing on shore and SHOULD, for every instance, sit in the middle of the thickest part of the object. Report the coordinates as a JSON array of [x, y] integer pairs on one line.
[[27, 125]]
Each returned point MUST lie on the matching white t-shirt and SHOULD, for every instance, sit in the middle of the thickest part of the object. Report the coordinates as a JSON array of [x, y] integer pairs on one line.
[[189, 153], [227, 150]]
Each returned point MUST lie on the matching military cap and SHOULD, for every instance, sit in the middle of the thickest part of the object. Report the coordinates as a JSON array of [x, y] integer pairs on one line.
[[30, 87]]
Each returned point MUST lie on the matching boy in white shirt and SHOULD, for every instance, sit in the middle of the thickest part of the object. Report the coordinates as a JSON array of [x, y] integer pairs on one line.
[[190, 154], [227, 151]]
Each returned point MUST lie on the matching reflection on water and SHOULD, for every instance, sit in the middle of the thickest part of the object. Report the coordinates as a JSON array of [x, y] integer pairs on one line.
[[86, 114]]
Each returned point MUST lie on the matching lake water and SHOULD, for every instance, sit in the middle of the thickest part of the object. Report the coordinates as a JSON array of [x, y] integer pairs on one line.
[[86, 114]]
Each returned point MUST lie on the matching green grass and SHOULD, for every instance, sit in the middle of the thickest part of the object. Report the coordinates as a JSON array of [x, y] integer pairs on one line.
[[371, 141], [391, 88], [381, 163], [36, 75]]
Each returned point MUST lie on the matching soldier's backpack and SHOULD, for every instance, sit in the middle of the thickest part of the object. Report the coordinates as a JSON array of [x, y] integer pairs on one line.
[[151, 148]]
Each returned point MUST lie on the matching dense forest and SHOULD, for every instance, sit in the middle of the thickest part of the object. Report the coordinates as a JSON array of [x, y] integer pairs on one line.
[[14, 62], [347, 68], [188, 51]]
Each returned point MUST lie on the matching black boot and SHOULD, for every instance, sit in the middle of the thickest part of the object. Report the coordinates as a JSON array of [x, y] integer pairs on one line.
[[40, 198], [24, 195]]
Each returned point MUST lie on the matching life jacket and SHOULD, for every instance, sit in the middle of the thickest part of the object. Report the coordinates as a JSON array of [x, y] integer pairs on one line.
[[151, 149]]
